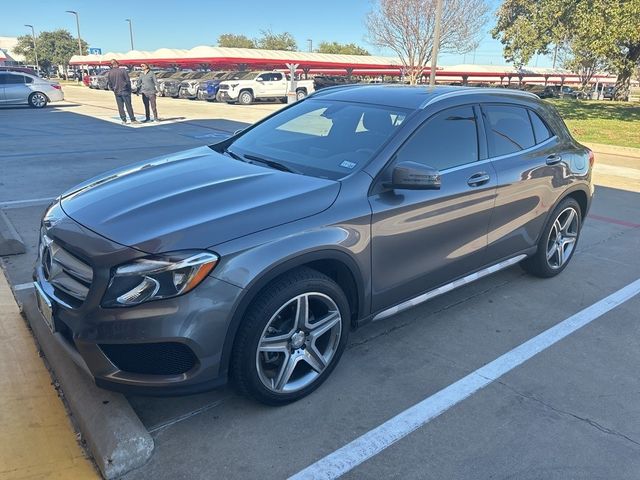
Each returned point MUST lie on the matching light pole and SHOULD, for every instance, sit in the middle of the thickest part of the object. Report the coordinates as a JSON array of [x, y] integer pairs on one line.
[[436, 43], [130, 32], [35, 48], [310, 43], [77, 25]]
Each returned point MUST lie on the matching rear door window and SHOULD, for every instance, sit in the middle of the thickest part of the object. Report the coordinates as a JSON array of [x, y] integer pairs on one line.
[[14, 79], [508, 129]]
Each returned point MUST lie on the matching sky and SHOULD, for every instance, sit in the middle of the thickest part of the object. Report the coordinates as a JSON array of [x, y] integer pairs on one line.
[[190, 23]]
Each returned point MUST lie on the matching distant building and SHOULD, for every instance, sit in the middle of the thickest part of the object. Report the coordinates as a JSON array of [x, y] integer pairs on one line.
[[7, 56]]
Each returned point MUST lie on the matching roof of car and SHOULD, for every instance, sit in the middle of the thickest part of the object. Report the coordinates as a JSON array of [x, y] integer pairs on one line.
[[406, 96]]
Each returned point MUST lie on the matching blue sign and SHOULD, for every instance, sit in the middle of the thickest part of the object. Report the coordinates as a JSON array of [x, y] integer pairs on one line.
[[95, 51]]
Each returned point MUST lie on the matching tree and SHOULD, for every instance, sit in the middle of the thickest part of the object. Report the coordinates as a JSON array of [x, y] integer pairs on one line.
[[235, 41], [580, 59], [54, 48], [407, 28], [341, 48], [606, 29], [276, 41]]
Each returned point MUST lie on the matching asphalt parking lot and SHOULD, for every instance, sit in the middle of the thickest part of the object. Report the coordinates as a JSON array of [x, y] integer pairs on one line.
[[570, 411]]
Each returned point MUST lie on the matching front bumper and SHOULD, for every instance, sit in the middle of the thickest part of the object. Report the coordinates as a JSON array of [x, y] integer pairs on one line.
[[171, 346], [184, 92], [224, 96]]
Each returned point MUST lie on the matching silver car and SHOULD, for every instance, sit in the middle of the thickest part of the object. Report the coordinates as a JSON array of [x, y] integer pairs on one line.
[[17, 88]]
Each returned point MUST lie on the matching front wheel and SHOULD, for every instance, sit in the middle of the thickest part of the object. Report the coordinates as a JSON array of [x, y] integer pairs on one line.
[[291, 338], [245, 97], [38, 100], [558, 241]]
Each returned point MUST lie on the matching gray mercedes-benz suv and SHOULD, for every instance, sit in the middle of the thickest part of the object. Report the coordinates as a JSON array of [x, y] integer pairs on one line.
[[252, 259]]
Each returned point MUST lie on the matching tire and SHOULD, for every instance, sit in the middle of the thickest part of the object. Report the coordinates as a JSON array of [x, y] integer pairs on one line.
[[300, 94], [245, 97], [275, 347], [554, 253], [38, 100]]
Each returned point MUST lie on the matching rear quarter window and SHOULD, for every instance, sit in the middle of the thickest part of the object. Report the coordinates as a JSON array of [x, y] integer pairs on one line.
[[540, 128]]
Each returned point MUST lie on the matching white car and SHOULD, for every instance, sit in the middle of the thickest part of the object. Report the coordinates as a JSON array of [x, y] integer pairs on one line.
[[17, 88], [261, 85]]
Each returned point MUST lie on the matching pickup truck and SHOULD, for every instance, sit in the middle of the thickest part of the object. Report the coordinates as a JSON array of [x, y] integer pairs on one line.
[[261, 86]]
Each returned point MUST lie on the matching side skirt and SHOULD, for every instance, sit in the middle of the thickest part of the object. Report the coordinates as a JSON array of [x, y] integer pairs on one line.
[[448, 287]]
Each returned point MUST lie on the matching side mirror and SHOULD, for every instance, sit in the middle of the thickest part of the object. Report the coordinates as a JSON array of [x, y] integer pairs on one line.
[[414, 176]]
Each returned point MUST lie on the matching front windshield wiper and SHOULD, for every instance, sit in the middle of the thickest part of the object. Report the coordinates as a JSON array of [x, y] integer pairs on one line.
[[235, 156], [270, 163]]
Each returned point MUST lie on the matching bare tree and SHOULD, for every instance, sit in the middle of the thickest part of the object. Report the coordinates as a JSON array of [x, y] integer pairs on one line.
[[407, 28]]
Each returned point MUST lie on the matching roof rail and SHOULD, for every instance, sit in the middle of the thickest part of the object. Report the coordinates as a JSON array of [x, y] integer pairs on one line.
[[476, 90]]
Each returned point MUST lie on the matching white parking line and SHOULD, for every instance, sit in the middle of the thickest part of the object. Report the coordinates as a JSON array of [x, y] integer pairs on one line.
[[22, 286], [375, 441], [26, 203]]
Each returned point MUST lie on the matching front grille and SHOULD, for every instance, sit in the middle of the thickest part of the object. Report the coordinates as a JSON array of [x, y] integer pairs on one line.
[[167, 358], [65, 272]]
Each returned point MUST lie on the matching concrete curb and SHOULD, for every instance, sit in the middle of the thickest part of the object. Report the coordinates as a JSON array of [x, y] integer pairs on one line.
[[613, 149], [113, 432], [10, 241]]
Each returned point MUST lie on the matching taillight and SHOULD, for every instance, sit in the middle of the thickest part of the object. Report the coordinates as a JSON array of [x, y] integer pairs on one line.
[[57, 87], [592, 158]]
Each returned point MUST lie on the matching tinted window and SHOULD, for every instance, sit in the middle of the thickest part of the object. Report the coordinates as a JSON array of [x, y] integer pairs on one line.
[[28, 80], [276, 77], [448, 139], [540, 129], [3, 78], [508, 129], [14, 79], [265, 77]]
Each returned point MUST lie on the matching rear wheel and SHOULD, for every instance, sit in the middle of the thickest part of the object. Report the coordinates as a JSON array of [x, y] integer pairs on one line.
[[38, 100], [558, 241], [300, 94], [245, 97], [291, 338]]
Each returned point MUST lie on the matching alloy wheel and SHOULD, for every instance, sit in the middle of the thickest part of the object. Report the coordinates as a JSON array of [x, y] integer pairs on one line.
[[38, 100], [299, 342], [562, 238]]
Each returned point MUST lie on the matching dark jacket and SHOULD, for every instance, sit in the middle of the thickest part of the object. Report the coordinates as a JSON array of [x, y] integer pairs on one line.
[[147, 83], [118, 80]]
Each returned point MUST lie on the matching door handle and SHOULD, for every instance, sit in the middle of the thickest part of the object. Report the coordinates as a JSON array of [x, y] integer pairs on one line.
[[553, 159], [478, 179]]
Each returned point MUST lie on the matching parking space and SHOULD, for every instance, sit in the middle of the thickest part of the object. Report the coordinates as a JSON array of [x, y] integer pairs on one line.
[[568, 412]]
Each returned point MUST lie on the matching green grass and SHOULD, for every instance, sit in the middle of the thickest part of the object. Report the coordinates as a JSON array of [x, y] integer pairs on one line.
[[611, 123]]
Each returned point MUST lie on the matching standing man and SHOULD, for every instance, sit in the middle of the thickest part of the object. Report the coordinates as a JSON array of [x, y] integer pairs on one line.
[[148, 86], [118, 80]]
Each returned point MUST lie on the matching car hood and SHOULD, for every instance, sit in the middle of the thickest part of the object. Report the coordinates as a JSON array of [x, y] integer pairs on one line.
[[193, 199]]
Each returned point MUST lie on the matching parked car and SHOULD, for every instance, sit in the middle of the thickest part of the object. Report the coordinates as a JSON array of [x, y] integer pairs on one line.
[[189, 88], [261, 86], [254, 257], [172, 84], [609, 93], [324, 81], [176, 77], [17, 88], [208, 89]]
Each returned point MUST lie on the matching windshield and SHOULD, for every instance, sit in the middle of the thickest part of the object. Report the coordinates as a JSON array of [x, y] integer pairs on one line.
[[322, 138], [240, 75], [194, 75]]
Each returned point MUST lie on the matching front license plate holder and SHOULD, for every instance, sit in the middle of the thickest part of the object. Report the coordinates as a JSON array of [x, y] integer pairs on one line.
[[46, 308]]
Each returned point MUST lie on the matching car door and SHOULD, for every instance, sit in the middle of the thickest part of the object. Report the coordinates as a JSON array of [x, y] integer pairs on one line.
[[3, 77], [278, 85], [15, 90], [530, 174], [262, 85], [422, 239]]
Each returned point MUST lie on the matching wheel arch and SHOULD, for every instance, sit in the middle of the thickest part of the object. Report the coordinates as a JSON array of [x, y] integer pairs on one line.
[[580, 195], [336, 264]]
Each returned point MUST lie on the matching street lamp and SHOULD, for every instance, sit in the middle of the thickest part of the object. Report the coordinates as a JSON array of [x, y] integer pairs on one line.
[[436, 43], [35, 48], [130, 32], [78, 25]]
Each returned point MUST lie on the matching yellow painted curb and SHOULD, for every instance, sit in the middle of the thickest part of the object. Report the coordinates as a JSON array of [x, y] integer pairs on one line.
[[37, 440]]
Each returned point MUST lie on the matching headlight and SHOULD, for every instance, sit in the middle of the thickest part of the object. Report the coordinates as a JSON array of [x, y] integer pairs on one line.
[[157, 277]]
